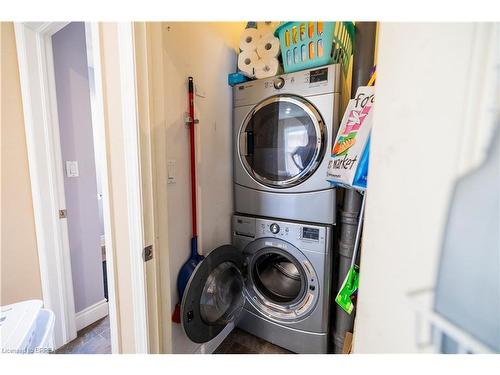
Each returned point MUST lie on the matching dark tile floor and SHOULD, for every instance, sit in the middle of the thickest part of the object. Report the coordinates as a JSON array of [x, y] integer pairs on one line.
[[241, 342], [94, 339]]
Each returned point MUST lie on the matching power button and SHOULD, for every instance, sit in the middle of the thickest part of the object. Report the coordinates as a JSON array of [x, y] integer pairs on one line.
[[279, 83]]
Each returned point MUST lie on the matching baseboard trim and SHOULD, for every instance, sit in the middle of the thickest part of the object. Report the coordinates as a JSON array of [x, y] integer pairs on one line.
[[91, 314]]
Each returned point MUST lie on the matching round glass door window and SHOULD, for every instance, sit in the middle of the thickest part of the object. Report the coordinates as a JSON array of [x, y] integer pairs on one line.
[[282, 141], [222, 298], [214, 295]]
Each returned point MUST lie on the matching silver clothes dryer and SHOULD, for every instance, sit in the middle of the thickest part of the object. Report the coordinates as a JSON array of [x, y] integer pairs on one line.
[[284, 128]]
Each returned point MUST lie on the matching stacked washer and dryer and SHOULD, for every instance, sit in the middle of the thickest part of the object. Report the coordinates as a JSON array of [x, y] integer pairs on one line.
[[283, 130], [275, 280]]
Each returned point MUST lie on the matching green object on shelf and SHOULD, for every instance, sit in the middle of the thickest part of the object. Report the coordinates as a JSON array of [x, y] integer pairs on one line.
[[348, 289]]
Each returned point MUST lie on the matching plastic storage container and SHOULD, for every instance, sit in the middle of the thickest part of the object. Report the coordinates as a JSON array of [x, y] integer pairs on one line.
[[307, 45], [26, 328], [43, 339]]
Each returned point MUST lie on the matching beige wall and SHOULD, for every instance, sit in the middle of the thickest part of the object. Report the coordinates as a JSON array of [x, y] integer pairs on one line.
[[20, 273], [206, 51]]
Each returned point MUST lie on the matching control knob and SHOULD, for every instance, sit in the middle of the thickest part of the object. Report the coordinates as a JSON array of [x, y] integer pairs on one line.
[[275, 228], [279, 83]]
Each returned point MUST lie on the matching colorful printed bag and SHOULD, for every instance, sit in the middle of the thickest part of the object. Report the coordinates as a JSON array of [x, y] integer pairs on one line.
[[348, 165]]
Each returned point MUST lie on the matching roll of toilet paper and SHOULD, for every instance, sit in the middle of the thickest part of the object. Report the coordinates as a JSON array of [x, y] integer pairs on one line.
[[249, 39], [268, 46], [246, 62], [267, 67]]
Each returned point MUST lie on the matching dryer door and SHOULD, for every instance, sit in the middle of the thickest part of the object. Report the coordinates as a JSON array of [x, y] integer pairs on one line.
[[282, 141], [214, 294]]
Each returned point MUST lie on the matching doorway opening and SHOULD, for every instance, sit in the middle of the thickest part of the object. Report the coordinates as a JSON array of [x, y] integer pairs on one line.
[[82, 177]]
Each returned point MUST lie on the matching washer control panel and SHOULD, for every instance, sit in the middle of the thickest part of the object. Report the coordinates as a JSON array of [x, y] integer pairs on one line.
[[306, 236]]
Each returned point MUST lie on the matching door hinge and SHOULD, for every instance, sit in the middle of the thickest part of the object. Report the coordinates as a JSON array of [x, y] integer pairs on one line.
[[62, 214], [147, 254]]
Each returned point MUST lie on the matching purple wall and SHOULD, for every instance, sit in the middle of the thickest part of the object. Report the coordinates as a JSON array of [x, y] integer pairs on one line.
[[75, 127]]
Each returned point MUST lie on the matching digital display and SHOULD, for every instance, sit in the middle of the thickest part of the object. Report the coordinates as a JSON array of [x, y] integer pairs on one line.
[[310, 233], [318, 75]]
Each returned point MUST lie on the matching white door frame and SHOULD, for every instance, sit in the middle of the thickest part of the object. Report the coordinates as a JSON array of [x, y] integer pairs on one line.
[[130, 126], [36, 69]]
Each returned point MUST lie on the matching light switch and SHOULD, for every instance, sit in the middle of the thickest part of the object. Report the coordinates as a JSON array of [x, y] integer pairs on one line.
[[171, 172], [199, 91], [72, 169]]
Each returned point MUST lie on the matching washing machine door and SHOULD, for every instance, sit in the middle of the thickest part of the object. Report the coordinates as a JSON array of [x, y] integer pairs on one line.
[[282, 141], [214, 294]]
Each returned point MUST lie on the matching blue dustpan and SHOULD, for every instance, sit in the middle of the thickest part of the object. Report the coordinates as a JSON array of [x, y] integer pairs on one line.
[[188, 268]]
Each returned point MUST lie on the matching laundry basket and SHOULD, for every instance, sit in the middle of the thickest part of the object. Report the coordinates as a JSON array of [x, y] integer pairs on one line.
[[43, 339], [307, 45]]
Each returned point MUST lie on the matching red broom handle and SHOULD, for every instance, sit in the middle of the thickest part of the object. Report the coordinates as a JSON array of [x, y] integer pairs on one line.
[[193, 155]]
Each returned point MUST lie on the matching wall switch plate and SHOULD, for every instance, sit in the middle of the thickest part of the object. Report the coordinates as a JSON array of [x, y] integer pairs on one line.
[[199, 91], [72, 169], [171, 173]]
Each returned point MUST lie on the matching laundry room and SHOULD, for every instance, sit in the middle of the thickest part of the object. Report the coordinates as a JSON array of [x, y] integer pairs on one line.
[[277, 216], [274, 194], [258, 187]]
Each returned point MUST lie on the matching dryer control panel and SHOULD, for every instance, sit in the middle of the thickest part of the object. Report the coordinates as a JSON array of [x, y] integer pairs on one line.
[[317, 81], [310, 237]]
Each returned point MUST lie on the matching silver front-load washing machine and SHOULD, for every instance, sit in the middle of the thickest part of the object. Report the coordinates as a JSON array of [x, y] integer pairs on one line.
[[284, 128], [274, 282]]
